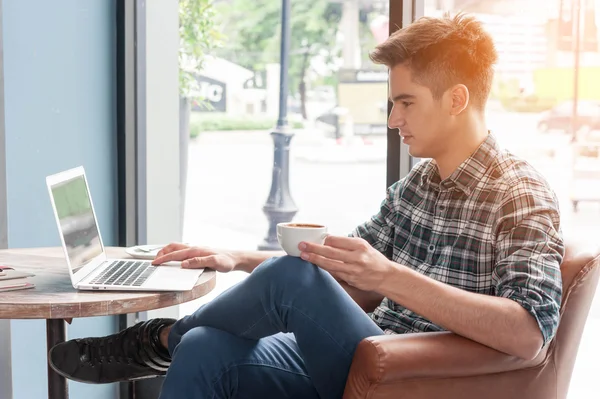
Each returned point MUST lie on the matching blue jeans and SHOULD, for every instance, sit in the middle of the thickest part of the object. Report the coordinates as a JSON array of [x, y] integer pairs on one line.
[[289, 330]]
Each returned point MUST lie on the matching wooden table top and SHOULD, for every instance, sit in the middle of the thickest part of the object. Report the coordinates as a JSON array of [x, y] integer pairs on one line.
[[55, 298]]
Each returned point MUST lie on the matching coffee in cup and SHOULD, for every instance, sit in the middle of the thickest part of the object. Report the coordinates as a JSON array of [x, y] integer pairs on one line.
[[290, 235]]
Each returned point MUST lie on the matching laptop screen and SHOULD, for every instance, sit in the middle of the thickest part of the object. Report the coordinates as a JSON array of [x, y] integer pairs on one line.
[[77, 223]]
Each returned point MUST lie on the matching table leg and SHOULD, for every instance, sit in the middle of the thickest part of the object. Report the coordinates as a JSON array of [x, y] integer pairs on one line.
[[57, 384]]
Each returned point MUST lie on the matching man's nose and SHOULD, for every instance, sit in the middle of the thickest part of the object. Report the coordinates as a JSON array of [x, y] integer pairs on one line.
[[396, 121]]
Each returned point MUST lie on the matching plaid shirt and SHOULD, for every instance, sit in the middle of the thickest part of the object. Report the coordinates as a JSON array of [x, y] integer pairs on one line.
[[492, 228]]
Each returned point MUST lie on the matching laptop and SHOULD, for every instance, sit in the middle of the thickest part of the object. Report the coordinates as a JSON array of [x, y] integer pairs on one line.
[[89, 266]]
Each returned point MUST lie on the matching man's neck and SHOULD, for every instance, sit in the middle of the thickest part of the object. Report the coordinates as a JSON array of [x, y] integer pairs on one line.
[[463, 145]]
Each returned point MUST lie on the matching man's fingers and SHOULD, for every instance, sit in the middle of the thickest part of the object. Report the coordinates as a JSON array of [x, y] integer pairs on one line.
[[327, 252], [173, 256], [197, 262], [171, 248], [347, 243], [330, 265]]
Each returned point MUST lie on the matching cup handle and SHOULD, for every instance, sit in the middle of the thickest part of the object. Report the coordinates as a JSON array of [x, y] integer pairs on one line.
[[324, 236]]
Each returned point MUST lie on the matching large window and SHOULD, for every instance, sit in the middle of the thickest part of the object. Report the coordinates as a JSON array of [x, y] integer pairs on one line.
[[531, 113], [337, 108]]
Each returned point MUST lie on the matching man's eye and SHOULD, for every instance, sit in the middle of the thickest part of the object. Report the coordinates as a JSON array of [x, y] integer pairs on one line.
[[406, 104]]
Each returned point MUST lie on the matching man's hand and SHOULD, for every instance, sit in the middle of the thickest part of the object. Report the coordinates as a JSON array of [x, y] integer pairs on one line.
[[196, 257], [349, 259]]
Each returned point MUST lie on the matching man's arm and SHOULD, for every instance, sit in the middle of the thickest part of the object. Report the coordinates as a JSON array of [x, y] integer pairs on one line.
[[499, 323], [524, 314]]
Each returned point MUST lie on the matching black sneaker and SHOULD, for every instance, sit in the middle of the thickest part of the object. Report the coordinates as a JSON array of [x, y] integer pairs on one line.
[[131, 354]]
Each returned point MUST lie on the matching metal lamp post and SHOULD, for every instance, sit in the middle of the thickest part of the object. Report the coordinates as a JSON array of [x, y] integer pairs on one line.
[[280, 206]]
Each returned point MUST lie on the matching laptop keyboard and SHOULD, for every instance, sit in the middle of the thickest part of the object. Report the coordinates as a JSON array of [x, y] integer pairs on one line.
[[125, 273]]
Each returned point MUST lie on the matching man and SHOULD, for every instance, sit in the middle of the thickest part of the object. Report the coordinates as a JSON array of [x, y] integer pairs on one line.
[[468, 242]]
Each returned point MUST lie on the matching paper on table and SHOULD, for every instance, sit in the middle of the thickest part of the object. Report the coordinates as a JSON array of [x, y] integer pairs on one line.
[[17, 287], [12, 283], [9, 273]]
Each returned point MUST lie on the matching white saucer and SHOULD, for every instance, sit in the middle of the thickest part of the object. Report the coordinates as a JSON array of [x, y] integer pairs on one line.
[[144, 251]]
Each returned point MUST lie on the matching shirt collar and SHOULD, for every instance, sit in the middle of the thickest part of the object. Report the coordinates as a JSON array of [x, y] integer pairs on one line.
[[471, 171]]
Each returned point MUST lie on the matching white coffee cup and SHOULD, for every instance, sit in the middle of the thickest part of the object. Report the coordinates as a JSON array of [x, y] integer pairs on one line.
[[290, 235]]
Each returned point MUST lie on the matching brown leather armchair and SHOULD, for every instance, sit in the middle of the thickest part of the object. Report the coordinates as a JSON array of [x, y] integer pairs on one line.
[[445, 365]]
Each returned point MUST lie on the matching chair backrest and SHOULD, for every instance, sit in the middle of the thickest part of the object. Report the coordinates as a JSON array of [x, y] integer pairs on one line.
[[580, 273]]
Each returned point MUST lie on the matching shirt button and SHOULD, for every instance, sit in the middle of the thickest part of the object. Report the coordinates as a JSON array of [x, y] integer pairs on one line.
[[431, 248], [442, 207]]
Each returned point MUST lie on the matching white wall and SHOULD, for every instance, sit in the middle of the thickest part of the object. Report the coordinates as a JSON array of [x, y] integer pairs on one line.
[[60, 112]]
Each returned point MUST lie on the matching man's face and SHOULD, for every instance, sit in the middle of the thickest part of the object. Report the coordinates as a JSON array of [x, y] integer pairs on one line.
[[423, 122]]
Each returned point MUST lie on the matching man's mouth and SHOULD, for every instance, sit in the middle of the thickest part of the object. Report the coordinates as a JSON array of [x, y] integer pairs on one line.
[[405, 137]]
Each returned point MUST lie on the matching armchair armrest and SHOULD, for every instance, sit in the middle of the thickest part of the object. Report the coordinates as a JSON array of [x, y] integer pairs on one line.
[[388, 358]]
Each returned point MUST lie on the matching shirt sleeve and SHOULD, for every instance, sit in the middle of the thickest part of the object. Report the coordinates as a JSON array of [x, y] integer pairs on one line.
[[378, 231], [529, 250]]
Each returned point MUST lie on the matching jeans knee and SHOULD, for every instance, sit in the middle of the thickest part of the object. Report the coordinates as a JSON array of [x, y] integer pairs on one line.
[[191, 342], [285, 269], [190, 352]]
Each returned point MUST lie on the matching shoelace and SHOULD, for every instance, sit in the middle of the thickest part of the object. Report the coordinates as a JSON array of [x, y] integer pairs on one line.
[[98, 351]]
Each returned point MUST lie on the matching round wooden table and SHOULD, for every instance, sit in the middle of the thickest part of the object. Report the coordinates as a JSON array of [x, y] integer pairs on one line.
[[54, 298]]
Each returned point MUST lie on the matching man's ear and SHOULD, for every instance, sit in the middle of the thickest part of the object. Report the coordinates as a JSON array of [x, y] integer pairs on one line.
[[459, 99]]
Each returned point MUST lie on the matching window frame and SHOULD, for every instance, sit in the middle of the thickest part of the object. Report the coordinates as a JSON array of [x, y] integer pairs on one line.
[[399, 161], [131, 138]]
